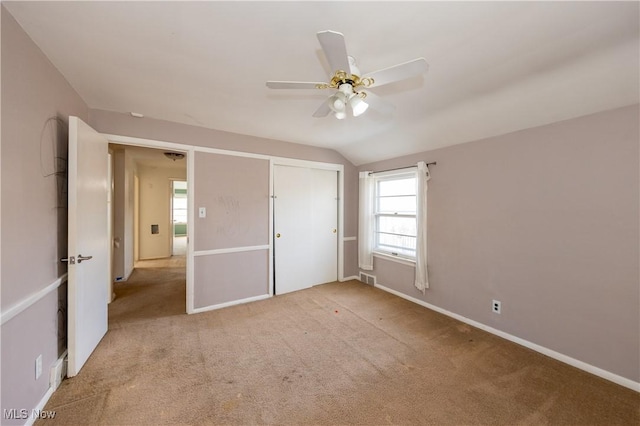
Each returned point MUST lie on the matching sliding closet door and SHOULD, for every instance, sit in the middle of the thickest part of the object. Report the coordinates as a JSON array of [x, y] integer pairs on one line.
[[324, 226], [305, 227]]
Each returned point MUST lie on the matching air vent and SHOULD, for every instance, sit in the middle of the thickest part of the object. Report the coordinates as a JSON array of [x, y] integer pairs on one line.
[[367, 279]]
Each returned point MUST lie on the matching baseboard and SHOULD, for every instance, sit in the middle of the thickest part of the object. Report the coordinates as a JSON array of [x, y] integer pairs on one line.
[[607, 375], [353, 277], [125, 278], [56, 375], [32, 418], [232, 303]]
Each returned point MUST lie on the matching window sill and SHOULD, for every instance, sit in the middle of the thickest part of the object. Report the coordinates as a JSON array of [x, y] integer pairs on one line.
[[397, 259]]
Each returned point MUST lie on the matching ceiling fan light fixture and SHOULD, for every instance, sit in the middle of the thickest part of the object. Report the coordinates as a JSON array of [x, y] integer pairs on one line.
[[174, 155], [338, 104], [348, 80], [358, 105]]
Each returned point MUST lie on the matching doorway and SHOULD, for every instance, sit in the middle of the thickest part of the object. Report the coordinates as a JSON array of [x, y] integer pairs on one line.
[[150, 225], [179, 217]]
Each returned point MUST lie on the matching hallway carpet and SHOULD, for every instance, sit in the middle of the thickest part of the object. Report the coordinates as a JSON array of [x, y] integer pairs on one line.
[[339, 353]]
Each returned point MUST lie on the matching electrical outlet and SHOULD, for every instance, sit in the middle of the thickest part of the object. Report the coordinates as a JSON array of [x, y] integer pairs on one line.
[[496, 306], [38, 366]]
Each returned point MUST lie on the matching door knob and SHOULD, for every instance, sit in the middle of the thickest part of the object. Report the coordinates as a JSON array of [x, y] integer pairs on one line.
[[278, 235], [335, 230], [81, 258]]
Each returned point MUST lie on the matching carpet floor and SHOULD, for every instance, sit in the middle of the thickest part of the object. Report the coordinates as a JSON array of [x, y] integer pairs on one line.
[[338, 353]]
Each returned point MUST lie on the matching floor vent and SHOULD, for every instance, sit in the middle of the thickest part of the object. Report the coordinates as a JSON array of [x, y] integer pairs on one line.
[[367, 279]]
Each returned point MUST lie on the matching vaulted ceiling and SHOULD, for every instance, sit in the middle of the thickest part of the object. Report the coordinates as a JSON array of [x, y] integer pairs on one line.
[[494, 67]]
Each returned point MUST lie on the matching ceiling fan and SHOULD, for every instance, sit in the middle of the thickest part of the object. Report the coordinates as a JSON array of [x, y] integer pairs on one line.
[[348, 81]]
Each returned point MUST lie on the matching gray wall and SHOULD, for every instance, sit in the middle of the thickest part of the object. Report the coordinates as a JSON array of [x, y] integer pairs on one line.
[[235, 192], [546, 221], [34, 214], [210, 171]]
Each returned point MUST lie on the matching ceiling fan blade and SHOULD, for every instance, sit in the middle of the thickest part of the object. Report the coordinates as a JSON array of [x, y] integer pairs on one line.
[[379, 104], [335, 50], [323, 111], [293, 84], [398, 72]]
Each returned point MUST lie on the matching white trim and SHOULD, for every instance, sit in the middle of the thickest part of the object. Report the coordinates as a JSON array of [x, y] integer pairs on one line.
[[345, 239], [30, 300], [191, 182], [353, 277], [148, 143], [397, 259], [219, 151], [31, 419], [341, 222], [622, 381], [339, 168], [294, 162], [52, 388], [190, 151], [230, 250], [271, 231], [135, 141], [232, 303]]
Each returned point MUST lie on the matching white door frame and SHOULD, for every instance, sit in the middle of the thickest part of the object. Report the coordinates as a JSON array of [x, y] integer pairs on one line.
[[189, 151], [278, 161]]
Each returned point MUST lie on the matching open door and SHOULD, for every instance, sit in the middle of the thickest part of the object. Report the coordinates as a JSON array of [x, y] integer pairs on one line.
[[88, 246]]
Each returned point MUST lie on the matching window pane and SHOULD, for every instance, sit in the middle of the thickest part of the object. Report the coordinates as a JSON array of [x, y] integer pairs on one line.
[[179, 203], [397, 204], [397, 225], [404, 186], [395, 214], [397, 244]]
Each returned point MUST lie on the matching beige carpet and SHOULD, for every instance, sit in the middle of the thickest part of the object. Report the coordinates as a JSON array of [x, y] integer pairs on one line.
[[339, 353]]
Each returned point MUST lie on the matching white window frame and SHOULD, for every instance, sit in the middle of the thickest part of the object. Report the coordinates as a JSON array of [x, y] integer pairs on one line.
[[387, 176]]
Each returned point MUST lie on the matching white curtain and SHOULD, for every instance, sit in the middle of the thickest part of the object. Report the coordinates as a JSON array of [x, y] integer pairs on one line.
[[366, 224], [422, 275]]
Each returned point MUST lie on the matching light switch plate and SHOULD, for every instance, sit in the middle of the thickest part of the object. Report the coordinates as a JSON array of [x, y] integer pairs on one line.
[[202, 212]]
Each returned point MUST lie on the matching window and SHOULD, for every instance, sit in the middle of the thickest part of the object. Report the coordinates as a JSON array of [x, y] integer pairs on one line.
[[395, 214]]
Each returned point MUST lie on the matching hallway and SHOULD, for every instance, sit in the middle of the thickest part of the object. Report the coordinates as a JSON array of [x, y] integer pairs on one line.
[[156, 289]]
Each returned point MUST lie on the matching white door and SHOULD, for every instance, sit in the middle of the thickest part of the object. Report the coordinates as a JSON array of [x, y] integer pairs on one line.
[[324, 226], [305, 227], [88, 246]]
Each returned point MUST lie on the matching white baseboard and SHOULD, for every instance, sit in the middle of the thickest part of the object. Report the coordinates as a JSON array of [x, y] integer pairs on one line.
[[622, 381], [31, 419], [353, 277], [57, 374], [232, 303]]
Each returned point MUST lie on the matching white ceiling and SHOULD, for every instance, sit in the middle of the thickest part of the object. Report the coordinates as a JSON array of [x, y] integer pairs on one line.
[[495, 67]]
